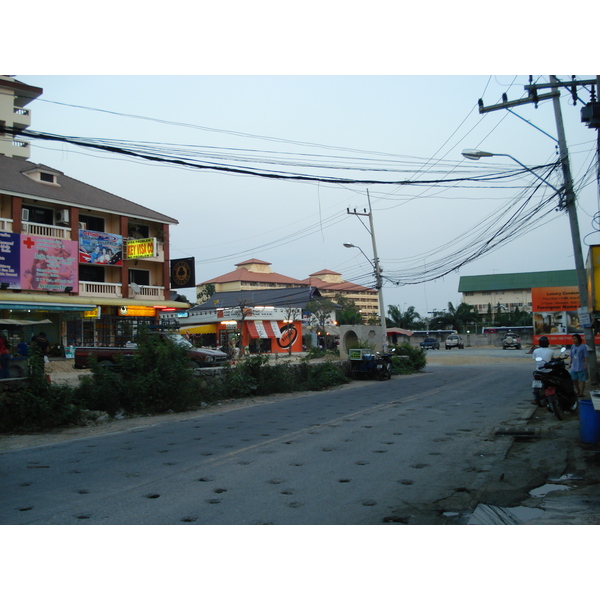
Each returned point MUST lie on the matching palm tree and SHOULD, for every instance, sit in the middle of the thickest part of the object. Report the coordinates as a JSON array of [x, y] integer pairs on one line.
[[409, 319], [456, 318]]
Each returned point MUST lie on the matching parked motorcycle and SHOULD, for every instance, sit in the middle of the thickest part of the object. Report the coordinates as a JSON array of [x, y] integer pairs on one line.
[[553, 387]]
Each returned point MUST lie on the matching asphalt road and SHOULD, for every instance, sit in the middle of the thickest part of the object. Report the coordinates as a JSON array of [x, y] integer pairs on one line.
[[415, 450]]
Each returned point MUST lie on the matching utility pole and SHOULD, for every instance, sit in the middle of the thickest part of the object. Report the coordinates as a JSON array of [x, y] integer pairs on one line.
[[567, 201], [377, 267]]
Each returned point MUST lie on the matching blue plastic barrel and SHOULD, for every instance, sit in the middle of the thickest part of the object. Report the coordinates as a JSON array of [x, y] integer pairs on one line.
[[589, 422]]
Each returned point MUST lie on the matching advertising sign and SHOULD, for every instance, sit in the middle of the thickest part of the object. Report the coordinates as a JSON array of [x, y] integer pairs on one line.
[[141, 248], [10, 266], [48, 264], [183, 273], [99, 248], [556, 314]]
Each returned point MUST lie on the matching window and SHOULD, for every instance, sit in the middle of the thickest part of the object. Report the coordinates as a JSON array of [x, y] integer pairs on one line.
[[47, 177], [37, 214], [139, 276], [91, 273], [92, 223], [138, 232]]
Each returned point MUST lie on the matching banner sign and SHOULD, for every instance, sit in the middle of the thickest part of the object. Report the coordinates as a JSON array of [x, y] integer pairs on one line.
[[141, 248], [555, 314], [183, 274], [99, 248], [48, 264], [554, 299], [10, 259]]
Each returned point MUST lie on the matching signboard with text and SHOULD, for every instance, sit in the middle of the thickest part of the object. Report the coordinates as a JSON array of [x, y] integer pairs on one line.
[[99, 248]]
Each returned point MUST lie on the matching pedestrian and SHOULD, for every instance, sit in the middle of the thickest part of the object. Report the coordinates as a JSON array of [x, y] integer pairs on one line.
[[39, 344], [579, 364], [4, 358]]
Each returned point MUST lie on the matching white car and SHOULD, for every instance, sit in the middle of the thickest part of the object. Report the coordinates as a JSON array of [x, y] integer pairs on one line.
[[454, 341]]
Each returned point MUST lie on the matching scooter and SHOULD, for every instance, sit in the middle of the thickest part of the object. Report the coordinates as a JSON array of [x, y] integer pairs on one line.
[[383, 366], [553, 387]]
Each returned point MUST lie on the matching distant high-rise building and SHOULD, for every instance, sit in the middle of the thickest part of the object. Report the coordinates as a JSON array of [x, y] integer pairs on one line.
[[14, 97]]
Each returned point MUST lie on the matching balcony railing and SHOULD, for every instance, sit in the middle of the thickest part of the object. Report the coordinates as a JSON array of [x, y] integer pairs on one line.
[[105, 290], [148, 292], [28, 228], [115, 290], [6, 225]]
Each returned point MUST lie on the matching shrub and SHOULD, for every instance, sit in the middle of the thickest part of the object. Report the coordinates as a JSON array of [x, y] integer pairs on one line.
[[37, 404], [415, 361]]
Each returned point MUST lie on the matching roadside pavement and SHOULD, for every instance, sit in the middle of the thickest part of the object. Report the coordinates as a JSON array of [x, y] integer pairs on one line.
[[548, 477]]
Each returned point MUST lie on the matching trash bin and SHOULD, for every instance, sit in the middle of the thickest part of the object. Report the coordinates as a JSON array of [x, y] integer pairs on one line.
[[589, 422]]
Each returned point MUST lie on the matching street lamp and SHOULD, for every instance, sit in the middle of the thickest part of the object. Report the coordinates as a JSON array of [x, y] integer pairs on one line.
[[569, 204], [477, 154], [379, 286]]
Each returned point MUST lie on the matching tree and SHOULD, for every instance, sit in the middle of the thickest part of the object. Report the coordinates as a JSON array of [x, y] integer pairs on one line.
[[456, 318], [320, 310], [409, 319], [204, 292], [349, 313]]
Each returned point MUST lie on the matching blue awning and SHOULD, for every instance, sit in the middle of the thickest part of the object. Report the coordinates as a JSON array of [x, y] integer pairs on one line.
[[49, 307]]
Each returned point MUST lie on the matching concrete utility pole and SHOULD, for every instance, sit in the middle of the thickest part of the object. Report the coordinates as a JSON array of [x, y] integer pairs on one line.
[[568, 198], [378, 270]]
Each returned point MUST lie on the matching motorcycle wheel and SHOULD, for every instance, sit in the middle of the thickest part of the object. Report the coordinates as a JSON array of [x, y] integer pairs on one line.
[[554, 404]]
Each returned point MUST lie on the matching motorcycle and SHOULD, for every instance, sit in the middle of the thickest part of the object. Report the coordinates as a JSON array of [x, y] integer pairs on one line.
[[553, 387], [369, 364]]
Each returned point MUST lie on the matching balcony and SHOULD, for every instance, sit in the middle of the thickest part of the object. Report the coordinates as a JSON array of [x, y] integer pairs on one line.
[[29, 228], [115, 290], [21, 117], [6, 225]]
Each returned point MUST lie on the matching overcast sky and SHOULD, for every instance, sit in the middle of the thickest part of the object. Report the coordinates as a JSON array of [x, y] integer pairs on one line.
[[298, 72], [301, 92]]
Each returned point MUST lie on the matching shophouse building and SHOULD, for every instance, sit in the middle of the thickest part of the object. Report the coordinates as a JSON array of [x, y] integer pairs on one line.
[[92, 263]]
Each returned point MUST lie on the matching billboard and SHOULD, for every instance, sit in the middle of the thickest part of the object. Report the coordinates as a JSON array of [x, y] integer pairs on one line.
[[555, 314], [99, 248], [47, 264]]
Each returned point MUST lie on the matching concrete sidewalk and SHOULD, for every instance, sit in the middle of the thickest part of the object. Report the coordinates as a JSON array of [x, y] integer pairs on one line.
[[548, 477]]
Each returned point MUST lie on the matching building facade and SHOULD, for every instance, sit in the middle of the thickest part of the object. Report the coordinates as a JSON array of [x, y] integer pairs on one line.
[[14, 98], [257, 274], [510, 290], [90, 262]]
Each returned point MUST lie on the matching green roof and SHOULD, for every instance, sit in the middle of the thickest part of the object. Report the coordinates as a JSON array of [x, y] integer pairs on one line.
[[517, 281]]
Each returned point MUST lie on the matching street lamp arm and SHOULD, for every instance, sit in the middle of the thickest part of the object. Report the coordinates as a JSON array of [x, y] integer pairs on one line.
[[477, 154]]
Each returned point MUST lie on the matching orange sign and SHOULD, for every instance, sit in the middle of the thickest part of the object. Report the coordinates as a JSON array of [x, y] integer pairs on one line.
[[555, 299]]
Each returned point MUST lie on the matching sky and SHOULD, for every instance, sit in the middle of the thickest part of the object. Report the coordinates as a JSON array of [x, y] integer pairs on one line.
[[385, 85], [413, 126]]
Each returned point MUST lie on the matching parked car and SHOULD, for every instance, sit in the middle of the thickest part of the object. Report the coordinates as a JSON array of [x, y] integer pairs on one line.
[[454, 341], [511, 340], [107, 357], [430, 343]]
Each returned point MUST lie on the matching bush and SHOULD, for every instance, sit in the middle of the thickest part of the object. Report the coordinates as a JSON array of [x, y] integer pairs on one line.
[[415, 361], [155, 379], [36, 404]]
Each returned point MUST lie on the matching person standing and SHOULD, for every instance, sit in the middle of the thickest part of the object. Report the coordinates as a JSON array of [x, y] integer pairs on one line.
[[4, 358], [579, 364]]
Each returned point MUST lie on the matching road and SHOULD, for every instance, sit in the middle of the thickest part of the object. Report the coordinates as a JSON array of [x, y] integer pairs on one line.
[[416, 449]]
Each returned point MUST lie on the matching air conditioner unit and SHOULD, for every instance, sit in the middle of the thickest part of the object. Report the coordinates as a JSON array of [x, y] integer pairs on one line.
[[24, 214], [62, 216], [82, 225]]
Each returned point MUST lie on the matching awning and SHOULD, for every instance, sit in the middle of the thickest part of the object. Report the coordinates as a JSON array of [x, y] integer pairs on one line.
[[199, 329], [22, 323], [263, 329], [48, 306]]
